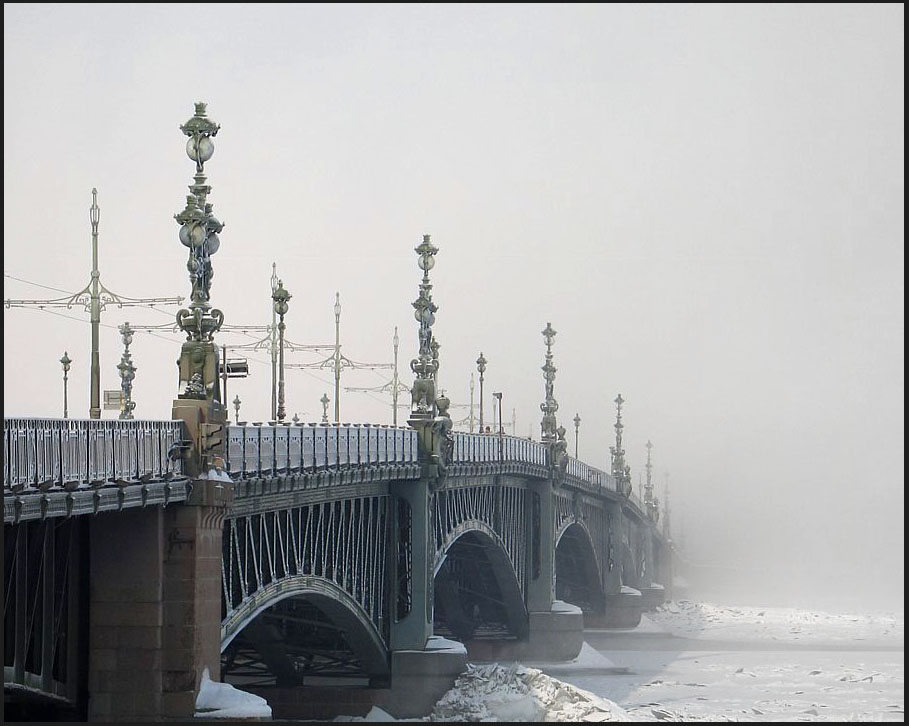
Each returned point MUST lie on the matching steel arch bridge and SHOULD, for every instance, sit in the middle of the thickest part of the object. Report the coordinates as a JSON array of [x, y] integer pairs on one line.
[[336, 549]]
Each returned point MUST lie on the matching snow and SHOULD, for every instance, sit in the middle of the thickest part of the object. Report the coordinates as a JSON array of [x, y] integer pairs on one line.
[[436, 642], [216, 474], [222, 700], [496, 692], [692, 661]]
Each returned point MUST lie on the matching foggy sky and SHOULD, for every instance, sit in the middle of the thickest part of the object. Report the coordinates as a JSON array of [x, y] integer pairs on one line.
[[705, 201]]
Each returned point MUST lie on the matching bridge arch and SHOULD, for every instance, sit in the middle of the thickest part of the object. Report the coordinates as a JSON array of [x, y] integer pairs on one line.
[[476, 589], [578, 579], [336, 607]]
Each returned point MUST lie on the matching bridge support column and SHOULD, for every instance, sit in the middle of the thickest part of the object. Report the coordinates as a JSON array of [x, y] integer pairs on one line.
[[423, 667], [191, 637], [556, 629], [623, 604], [126, 615], [155, 607]]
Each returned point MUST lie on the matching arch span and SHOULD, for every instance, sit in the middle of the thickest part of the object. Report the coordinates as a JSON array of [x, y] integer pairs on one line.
[[476, 589], [577, 575], [337, 606]]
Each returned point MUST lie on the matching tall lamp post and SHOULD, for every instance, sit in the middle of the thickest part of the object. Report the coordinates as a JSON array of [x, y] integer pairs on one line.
[[280, 297], [65, 360], [481, 367], [94, 298], [237, 403], [577, 426], [336, 361], [394, 385], [498, 397], [471, 402]]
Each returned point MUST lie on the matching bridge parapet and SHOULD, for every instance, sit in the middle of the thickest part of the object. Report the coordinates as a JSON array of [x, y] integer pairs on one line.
[[44, 455], [266, 450]]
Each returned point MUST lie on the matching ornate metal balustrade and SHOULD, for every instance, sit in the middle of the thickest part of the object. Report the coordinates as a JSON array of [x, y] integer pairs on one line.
[[65, 460], [266, 451]]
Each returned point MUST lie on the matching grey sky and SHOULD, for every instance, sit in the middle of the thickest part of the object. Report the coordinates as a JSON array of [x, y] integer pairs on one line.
[[705, 201]]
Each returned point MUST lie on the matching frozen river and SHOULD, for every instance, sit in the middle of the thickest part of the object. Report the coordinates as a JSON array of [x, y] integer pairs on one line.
[[691, 661]]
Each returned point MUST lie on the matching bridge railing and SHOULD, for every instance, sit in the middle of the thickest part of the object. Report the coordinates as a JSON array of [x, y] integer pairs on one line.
[[255, 450], [483, 448], [39, 454], [486, 448]]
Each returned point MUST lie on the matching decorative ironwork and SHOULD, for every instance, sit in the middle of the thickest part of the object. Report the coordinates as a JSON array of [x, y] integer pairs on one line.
[[69, 454], [342, 541], [498, 510]]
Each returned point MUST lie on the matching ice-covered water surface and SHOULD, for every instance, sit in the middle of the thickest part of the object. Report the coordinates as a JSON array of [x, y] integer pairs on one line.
[[690, 661]]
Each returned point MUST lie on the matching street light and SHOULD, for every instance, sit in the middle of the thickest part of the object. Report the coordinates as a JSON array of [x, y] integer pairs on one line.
[[337, 359], [281, 296], [577, 425], [498, 397], [237, 408], [324, 400], [481, 366], [65, 360]]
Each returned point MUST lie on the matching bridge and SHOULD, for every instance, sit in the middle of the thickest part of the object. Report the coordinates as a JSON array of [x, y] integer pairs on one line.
[[324, 566]]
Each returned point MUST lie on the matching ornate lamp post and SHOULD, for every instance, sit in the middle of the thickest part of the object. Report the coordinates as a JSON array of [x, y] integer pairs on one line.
[[577, 426], [199, 232], [498, 396], [620, 470], [65, 360], [648, 487], [280, 297], [481, 367], [237, 403], [548, 426], [127, 374], [552, 434], [423, 395], [199, 401], [324, 401]]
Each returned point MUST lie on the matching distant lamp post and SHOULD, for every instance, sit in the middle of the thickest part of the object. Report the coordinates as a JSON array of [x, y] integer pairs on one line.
[[498, 397], [65, 360], [280, 297], [324, 400], [237, 403], [337, 358], [577, 426], [481, 367], [127, 374]]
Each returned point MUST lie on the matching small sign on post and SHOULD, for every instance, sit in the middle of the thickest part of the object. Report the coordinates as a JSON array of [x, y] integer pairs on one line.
[[112, 400]]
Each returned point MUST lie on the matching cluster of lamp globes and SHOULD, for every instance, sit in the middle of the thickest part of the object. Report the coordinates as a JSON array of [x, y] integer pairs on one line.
[[193, 232]]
